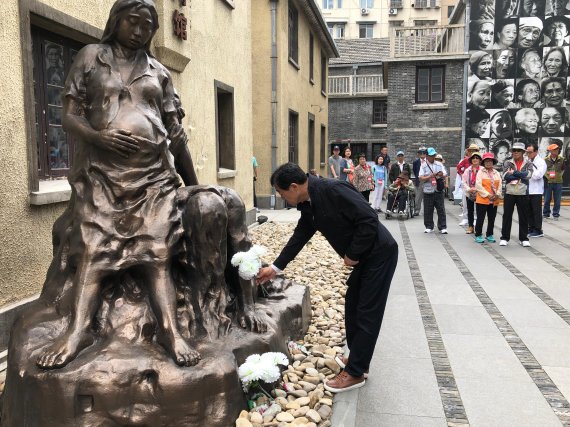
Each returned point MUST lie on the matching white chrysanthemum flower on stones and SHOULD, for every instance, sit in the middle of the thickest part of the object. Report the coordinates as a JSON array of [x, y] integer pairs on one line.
[[276, 358]]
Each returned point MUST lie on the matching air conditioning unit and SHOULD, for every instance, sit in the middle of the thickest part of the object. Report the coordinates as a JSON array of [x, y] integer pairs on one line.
[[393, 11], [364, 11]]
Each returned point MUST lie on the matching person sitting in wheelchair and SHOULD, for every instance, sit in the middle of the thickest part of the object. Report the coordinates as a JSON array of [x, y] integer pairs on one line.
[[399, 192]]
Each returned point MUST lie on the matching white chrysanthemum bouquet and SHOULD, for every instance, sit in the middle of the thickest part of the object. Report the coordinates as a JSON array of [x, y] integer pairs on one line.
[[249, 263], [261, 368]]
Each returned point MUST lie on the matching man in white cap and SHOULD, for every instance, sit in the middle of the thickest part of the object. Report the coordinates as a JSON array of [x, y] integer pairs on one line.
[[432, 174], [399, 166], [530, 29], [535, 190], [517, 173]]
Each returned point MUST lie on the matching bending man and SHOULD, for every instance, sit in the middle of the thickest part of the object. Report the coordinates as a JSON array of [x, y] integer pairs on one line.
[[351, 226]]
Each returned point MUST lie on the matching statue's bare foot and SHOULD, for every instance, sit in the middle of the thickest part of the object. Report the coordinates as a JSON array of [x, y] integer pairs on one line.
[[181, 351], [64, 350], [250, 318]]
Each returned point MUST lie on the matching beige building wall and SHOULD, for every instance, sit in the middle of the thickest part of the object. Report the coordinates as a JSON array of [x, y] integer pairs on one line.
[[295, 92], [25, 246], [381, 17]]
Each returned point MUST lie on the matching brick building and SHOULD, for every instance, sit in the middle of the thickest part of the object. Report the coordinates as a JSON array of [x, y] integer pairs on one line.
[[358, 96], [418, 98]]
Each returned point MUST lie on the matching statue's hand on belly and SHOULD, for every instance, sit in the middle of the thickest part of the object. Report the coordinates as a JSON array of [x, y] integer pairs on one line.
[[119, 141]]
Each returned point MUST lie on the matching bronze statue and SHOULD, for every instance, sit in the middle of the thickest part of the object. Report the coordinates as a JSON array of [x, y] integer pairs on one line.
[[140, 288]]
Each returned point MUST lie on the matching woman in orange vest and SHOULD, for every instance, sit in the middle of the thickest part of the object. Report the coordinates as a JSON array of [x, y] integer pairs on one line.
[[488, 185]]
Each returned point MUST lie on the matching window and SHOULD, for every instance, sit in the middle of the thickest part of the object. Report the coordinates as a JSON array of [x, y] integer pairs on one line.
[[366, 31], [331, 28], [324, 68], [293, 136], [366, 4], [323, 144], [339, 31], [225, 126], [396, 23], [52, 58], [420, 4], [339, 4], [425, 23], [379, 112], [328, 4], [430, 84], [311, 58], [311, 141], [293, 34], [396, 4], [450, 10]]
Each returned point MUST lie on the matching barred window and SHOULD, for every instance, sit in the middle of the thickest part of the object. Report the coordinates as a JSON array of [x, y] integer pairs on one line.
[[379, 112]]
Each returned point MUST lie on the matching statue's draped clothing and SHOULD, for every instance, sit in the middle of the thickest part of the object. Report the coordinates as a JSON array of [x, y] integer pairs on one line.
[[125, 209]]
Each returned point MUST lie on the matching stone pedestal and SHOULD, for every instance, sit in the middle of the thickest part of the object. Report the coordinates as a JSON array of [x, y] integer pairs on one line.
[[127, 379]]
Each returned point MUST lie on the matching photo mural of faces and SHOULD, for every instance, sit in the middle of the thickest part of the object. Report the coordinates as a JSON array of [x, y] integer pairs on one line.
[[519, 75]]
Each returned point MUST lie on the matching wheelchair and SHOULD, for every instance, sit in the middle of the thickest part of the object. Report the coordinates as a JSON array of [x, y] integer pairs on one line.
[[408, 211]]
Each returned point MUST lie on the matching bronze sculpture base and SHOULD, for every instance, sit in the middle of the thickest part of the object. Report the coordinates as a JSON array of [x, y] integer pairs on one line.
[[129, 380]]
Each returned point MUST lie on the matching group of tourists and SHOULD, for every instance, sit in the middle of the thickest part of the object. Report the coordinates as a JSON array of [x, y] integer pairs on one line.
[[386, 180], [524, 180]]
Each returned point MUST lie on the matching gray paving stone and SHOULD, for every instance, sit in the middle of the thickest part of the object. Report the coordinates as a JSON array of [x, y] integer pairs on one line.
[[561, 377], [391, 420], [402, 386], [464, 320], [502, 402], [551, 347], [483, 357], [517, 313]]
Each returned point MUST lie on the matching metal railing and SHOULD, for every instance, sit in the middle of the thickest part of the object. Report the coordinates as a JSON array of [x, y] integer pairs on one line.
[[427, 41], [356, 85]]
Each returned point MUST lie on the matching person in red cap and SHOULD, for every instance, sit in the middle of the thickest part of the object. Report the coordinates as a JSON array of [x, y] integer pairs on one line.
[[555, 167], [488, 184]]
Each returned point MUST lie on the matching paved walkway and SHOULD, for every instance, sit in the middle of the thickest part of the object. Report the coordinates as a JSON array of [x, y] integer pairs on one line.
[[473, 334]]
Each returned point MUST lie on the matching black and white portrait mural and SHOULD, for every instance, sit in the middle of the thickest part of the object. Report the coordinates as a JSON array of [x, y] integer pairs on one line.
[[519, 77]]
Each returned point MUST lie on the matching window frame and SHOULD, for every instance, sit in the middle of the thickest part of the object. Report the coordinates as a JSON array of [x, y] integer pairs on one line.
[[328, 4], [40, 118], [226, 148], [430, 84], [383, 113], [324, 72], [311, 58], [293, 34], [293, 137], [366, 4], [365, 26], [311, 139], [323, 149]]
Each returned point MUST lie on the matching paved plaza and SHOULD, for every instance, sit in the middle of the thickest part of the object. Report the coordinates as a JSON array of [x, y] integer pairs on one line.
[[473, 334]]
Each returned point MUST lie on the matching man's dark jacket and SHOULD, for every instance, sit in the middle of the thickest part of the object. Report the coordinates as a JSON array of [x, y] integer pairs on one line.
[[343, 216], [395, 170]]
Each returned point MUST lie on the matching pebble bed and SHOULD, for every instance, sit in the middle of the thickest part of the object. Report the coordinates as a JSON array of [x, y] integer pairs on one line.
[[306, 403]]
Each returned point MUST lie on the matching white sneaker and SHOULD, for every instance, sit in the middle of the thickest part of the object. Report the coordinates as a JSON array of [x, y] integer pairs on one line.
[[503, 243], [464, 222], [443, 231], [525, 244], [388, 211], [428, 230]]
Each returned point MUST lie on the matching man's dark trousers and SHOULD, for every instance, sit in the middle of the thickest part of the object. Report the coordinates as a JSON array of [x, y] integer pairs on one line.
[[436, 200], [535, 212], [521, 202], [365, 302]]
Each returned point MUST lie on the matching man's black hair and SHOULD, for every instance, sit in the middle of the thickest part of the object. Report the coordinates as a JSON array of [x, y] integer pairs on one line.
[[287, 174], [532, 144]]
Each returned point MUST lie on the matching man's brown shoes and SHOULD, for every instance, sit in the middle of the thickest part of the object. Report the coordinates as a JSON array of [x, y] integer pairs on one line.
[[344, 382]]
